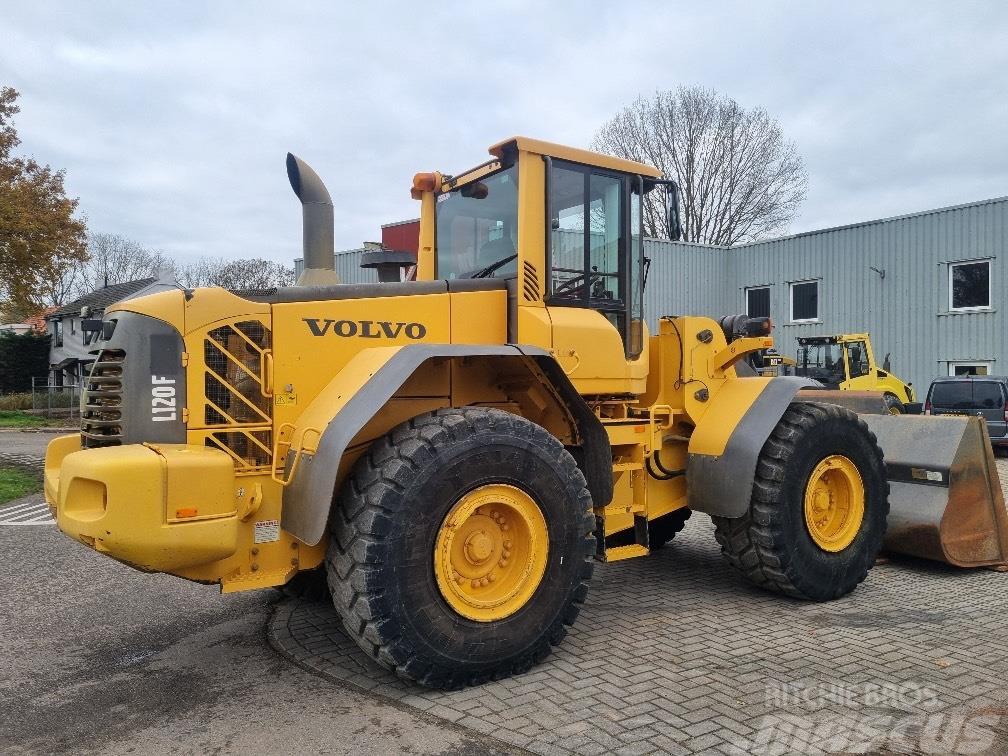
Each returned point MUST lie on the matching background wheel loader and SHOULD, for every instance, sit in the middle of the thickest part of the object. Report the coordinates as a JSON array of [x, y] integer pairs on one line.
[[847, 362], [455, 452]]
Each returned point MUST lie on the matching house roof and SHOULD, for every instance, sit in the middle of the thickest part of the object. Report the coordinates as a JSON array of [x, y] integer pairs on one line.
[[101, 298]]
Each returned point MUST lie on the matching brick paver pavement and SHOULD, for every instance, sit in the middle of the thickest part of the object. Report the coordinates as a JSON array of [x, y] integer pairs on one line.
[[675, 653]]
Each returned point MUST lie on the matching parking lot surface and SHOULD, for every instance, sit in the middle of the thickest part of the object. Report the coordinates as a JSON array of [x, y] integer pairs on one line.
[[672, 653], [675, 653], [100, 658]]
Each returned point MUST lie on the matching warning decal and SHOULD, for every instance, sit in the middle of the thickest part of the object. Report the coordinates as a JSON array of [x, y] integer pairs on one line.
[[267, 531]]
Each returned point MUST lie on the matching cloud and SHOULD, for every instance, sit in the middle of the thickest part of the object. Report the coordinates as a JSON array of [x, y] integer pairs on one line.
[[173, 121]]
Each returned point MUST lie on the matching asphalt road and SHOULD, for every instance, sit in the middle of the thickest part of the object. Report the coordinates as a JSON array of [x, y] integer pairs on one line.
[[97, 657]]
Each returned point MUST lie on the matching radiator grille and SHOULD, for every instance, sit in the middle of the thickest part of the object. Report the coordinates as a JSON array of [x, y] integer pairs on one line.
[[101, 411], [234, 402]]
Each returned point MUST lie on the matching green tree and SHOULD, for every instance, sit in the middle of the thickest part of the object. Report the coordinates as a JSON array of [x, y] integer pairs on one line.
[[39, 235]]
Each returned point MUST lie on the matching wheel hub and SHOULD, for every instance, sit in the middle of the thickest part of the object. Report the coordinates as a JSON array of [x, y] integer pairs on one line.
[[490, 553], [834, 503], [478, 547]]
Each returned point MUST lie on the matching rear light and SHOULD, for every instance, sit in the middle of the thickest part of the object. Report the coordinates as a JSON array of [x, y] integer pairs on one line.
[[1006, 413], [927, 408]]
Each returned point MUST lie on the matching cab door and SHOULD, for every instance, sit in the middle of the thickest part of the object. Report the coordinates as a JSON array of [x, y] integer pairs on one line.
[[859, 366], [595, 289]]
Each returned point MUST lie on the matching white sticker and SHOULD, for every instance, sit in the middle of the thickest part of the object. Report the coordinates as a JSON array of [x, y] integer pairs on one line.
[[267, 531]]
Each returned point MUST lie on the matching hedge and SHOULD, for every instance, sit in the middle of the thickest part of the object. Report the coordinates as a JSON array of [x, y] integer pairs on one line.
[[21, 357]]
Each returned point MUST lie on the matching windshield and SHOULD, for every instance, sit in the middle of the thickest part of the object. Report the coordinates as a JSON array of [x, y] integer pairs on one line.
[[823, 362], [477, 228]]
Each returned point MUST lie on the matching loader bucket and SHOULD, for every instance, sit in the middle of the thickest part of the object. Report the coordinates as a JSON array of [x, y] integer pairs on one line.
[[945, 498]]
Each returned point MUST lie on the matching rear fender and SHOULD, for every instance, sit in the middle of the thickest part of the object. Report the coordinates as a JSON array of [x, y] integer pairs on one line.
[[332, 422], [726, 443]]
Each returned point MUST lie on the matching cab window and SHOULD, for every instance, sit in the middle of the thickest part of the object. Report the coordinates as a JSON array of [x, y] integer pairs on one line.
[[822, 362], [857, 359], [477, 228], [595, 259]]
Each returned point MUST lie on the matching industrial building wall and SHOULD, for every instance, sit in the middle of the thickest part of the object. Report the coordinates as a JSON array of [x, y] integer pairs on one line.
[[686, 279], [347, 265], [907, 311]]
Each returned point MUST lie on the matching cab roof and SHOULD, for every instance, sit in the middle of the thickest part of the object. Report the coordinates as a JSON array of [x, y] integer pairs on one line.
[[575, 155]]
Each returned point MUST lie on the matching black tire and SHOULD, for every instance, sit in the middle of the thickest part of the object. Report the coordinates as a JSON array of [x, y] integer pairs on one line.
[[893, 405], [384, 528], [771, 544]]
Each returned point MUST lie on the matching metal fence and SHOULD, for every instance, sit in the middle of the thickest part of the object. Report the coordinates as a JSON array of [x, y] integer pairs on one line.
[[55, 400]]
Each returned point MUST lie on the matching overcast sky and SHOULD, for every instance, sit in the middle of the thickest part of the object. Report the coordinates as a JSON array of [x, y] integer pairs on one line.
[[172, 121]]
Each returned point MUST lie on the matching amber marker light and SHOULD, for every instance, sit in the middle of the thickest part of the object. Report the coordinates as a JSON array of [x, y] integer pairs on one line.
[[425, 182]]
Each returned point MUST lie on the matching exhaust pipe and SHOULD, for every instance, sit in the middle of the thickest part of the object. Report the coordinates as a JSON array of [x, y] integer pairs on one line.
[[317, 220]]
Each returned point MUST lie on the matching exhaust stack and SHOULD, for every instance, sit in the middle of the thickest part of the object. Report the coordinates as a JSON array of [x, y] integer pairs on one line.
[[317, 218]]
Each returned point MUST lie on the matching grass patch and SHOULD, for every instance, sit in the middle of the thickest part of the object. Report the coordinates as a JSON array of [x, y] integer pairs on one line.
[[16, 482], [14, 419]]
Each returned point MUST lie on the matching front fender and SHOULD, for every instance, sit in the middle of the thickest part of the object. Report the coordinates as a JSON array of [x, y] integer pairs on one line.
[[366, 384], [726, 443]]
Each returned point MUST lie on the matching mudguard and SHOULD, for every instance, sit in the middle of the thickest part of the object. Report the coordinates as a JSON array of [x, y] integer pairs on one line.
[[721, 466], [365, 385]]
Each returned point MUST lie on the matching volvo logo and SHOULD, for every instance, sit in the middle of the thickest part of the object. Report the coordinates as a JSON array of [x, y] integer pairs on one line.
[[365, 329]]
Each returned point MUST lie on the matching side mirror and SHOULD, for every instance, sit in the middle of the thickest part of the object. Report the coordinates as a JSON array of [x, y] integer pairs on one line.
[[672, 218]]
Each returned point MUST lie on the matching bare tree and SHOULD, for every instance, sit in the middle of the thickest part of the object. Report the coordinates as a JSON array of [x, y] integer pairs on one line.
[[235, 274], [112, 259], [117, 259], [740, 179]]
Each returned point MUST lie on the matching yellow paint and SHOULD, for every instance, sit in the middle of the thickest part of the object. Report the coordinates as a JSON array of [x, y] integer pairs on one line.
[[590, 350], [576, 155], [491, 552], [117, 500], [479, 317], [724, 411], [872, 381], [834, 503], [207, 511], [738, 350]]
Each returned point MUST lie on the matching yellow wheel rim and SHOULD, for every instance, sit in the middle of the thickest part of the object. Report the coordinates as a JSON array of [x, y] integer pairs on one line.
[[490, 553], [834, 503], [895, 411]]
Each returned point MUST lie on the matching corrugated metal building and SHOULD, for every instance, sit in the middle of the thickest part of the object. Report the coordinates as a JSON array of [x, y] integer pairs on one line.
[[928, 287]]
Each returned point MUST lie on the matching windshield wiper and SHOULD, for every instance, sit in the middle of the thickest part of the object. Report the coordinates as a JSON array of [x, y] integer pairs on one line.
[[484, 272]]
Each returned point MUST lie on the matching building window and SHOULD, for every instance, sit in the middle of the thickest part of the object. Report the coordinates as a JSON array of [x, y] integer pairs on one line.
[[804, 301], [970, 285], [969, 368], [757, 300], [57, 333]]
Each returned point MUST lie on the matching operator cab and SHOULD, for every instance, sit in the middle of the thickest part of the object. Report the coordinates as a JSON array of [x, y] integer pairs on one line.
[[564, 226]]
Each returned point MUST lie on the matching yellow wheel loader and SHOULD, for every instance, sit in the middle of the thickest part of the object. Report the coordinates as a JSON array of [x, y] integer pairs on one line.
[[455, 452], [847, 362]]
